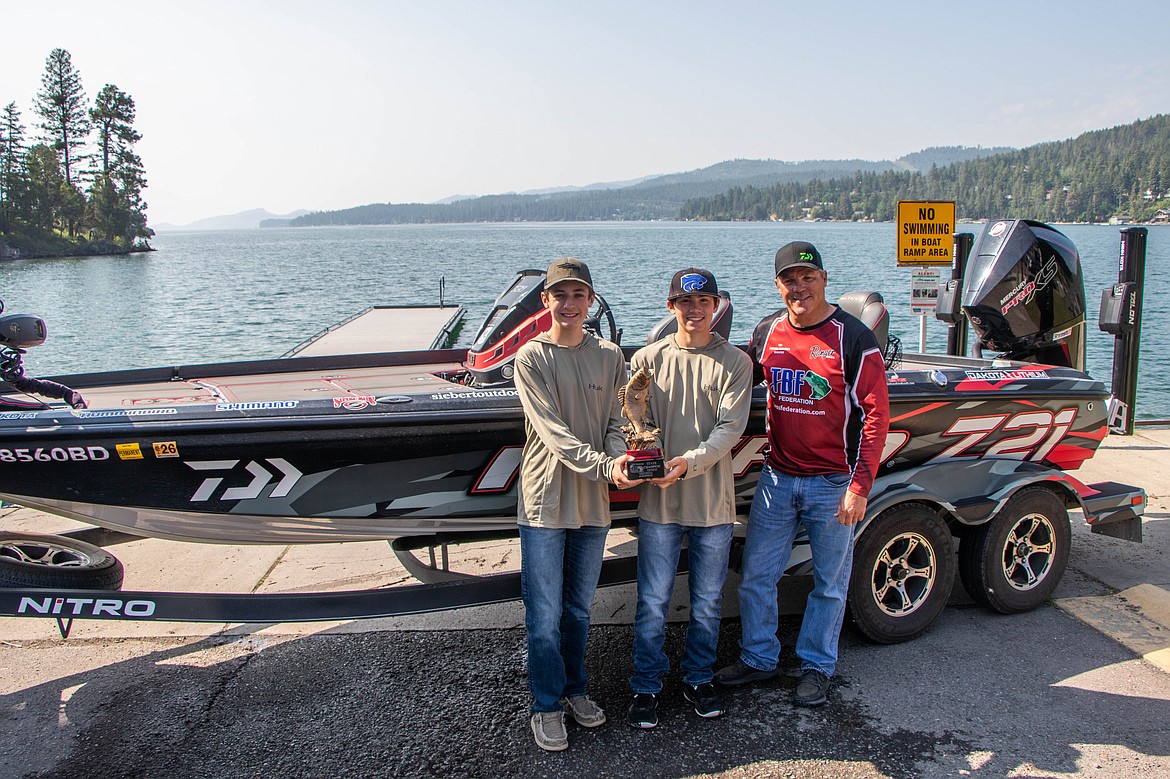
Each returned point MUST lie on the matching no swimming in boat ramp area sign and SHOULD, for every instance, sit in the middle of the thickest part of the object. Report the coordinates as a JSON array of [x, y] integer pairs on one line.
[[924, 232]]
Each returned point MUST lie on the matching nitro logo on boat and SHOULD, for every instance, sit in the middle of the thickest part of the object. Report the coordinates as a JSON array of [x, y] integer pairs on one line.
[[354, 402], [799, 385], [692, 282], [52, 605]]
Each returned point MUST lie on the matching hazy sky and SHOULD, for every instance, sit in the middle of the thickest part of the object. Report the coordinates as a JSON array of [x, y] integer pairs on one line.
[[331, 104]]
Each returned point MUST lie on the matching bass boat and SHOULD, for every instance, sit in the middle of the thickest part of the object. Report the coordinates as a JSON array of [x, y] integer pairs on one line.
[[389, 445]]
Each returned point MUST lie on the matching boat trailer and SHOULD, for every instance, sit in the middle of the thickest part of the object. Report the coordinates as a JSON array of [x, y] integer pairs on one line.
[[440, 589]]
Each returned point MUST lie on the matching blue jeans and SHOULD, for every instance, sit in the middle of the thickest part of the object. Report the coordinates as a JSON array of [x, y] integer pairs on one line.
[[658, 553], [558, 575], [782, 504]]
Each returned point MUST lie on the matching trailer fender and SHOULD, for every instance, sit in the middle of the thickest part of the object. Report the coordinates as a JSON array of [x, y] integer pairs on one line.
[[971, 492]]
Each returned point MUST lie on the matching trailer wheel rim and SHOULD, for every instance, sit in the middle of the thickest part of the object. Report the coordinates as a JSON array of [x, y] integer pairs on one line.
[[904, 574], [1028, 551], [44, 553]]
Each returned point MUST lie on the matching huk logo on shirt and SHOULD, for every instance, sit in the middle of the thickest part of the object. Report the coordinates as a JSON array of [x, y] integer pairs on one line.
[[791, 383], [593, 386]]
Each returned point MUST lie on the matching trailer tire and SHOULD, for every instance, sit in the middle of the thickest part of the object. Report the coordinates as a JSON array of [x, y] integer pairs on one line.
[[1013, 562], [903, 572], [28, 560]]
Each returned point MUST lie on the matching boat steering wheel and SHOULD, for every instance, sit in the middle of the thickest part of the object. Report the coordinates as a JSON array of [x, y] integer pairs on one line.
[[593, 321]]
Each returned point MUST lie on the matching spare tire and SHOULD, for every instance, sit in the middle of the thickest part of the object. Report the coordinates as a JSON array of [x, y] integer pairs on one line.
[[28, 560]]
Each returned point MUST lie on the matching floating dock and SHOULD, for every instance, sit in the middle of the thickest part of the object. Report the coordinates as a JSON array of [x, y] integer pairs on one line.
[[386, 329]]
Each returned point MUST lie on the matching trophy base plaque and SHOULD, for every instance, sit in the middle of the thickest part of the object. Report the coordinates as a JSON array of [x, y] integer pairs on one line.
[[646, 464]]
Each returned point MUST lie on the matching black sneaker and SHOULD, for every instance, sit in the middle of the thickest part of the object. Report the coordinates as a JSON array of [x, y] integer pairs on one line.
[[740, 673], [643, 711], [813, 688], [705, 700]]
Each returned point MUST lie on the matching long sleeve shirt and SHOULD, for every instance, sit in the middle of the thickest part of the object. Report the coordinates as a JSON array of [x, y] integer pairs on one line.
[[572, 421], [828, 404], [700, 400]]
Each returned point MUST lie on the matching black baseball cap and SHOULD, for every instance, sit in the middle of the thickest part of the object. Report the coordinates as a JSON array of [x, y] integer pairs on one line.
[[567, 269], [798, 254], [693, 281]]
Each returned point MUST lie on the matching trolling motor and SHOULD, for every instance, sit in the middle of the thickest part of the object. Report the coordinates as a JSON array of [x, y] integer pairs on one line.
[[18, 333]]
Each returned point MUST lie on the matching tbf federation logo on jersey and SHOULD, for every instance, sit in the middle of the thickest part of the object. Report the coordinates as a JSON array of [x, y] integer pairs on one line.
[[792, 383], [692, 282]]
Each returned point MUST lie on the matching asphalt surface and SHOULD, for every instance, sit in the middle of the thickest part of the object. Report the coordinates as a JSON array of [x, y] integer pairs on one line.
[[979, 695]]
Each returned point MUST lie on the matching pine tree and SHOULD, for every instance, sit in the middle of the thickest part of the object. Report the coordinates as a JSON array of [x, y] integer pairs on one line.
[[13, 174], [61, 104], [116, 208]]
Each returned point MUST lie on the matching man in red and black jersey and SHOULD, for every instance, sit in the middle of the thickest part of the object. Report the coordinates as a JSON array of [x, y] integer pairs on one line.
[[828, 414]]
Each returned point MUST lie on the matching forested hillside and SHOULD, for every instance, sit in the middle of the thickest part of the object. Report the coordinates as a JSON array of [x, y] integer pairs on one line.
[[656, 198], [1123, 171]]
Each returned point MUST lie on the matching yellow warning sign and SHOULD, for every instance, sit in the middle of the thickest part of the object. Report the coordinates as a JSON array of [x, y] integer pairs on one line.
[[925, 228]]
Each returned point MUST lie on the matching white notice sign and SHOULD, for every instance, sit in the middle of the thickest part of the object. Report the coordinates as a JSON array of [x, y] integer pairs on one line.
[[923, 290]]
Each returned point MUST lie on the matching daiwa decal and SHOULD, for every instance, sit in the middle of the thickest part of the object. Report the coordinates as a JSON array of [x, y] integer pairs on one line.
[[129, 451], [51, 606], [57, 454], [354, 402], [261, 478]]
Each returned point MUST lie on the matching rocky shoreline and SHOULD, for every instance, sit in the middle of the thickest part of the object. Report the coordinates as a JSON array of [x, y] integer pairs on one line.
[[86, 249]]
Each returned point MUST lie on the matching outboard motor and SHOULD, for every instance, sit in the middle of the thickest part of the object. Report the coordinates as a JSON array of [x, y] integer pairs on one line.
[[720, 322], [1024, 293], [19, 332]]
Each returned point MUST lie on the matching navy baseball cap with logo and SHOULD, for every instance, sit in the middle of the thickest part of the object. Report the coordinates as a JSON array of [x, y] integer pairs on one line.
[[693, 281], [798, 254], [567, 269]]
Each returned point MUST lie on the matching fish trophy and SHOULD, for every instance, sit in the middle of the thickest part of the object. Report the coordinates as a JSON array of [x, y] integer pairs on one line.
[[641, 439]]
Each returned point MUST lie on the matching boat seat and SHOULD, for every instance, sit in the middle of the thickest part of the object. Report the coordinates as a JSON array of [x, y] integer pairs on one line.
[[870, 308]]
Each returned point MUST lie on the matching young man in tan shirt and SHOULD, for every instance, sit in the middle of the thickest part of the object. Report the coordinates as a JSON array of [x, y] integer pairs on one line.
[[567, 380], [700, 399]]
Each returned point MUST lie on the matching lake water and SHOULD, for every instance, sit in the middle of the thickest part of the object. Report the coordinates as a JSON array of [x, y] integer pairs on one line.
[[251, 294]]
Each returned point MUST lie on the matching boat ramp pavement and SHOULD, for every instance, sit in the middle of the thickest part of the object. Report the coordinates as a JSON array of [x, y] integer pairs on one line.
[[1080, 687]]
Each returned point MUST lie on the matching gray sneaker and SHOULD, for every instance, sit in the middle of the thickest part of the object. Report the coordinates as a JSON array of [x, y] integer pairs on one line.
[[584, 711], [813, 688], [549, 729]]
